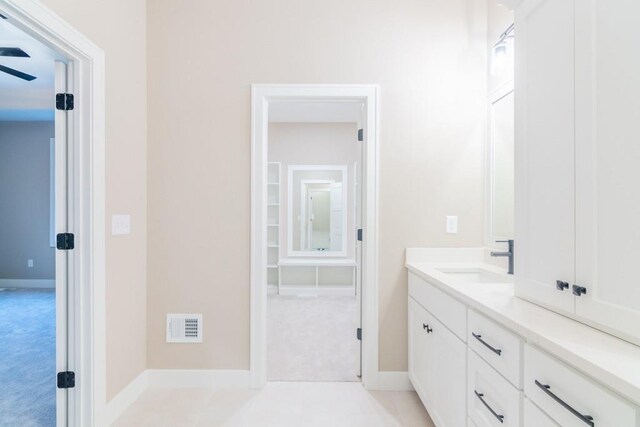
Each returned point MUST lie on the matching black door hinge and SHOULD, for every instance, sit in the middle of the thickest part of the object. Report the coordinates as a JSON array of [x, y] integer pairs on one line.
[[359, 235], [359, 334], [360, 134], [64, 101], [65, 241], [66, 379]]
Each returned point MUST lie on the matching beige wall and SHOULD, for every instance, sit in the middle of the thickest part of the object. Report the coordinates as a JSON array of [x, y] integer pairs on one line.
[[429, 58], [119, 28], [314, 144], [24, 200]]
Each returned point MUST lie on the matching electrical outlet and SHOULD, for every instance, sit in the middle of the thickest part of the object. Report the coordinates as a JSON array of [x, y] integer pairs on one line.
[[30, 263], [452, 224]]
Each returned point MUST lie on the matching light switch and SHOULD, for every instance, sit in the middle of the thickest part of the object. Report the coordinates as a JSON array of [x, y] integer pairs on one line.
[[120, 224], [452, 224]]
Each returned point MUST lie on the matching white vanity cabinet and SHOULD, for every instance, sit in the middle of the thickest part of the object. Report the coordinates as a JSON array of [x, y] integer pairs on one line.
[[493, 375], [437, 365], [577, 154]]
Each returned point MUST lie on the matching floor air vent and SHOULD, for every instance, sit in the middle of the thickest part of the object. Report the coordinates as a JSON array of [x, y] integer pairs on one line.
[[186, 328]]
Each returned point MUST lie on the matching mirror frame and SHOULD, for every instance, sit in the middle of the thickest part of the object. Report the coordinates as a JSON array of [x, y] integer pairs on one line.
[[494, 97], [290, 214]]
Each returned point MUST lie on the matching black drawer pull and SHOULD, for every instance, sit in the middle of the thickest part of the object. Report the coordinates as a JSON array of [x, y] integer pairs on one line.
[[494, 413], [479, 338], [587, 419], [427, 328]]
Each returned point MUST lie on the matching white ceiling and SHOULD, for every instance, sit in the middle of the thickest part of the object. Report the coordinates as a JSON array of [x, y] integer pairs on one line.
[[18, 97], [314, 112]]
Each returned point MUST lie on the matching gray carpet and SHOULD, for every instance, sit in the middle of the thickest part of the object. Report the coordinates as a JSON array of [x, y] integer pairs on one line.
[[27, 358], [312, 339]]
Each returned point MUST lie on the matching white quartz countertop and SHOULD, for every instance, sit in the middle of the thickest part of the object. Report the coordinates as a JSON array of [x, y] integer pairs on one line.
[[610, 361]]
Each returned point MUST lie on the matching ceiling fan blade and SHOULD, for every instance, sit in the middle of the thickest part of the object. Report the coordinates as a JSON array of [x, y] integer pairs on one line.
[[16, 73], [15, 52]]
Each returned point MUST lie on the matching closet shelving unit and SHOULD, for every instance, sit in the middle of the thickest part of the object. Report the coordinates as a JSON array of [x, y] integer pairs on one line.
[[274, 197]]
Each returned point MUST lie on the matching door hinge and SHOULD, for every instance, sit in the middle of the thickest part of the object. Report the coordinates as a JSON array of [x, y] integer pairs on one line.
[[66, 379], [359, 234], [64, 101], [65, 241], [360, 134], [359, 334]]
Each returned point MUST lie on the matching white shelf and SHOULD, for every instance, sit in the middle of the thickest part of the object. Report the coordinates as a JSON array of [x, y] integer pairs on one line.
[[273, 225], [272, 266], [317, 262], [273, 204], [273, 183], [273, 246]]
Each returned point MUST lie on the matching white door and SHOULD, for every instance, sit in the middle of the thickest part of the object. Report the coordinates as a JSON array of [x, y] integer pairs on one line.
[[608, 163], [336, 218], [544, 149], [64, 258]]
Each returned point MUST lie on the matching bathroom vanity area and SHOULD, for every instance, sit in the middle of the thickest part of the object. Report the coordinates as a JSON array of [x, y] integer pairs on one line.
[[480, 356]]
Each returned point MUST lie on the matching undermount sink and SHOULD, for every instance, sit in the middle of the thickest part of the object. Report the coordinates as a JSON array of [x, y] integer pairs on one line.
[[474, 275]]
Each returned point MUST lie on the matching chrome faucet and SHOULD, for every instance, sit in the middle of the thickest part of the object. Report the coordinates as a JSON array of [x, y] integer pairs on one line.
[[508, 254]]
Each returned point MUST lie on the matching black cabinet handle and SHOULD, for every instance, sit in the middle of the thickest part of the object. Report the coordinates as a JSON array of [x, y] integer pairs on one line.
[[427, 328], [587, 419], [561, 286], [579, 290], [494, 413], [479, 338]]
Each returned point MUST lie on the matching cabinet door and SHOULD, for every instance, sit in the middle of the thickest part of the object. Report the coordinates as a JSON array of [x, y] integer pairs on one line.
[[451, 372], [545, 205], [608, 164], [420, 353]]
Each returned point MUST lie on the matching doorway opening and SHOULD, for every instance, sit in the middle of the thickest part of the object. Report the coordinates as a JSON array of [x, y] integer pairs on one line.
[[34, 293], [314, 234], [52, 302]]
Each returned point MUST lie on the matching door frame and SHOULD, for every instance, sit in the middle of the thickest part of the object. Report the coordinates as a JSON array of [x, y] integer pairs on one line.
[[87, 213], [261, 96]]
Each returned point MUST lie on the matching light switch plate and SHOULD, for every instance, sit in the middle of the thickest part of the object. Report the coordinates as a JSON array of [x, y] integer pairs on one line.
[[452, 224], [120, 224]]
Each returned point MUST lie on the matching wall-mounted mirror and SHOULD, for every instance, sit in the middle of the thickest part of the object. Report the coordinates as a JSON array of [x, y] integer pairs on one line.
[[317, 197], [500, 164]]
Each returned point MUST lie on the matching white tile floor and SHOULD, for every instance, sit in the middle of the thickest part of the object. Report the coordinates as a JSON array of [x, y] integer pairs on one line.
[[279, 404]]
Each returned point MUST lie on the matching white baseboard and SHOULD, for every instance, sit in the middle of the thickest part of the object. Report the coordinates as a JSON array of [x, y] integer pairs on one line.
[[28, 283], [198, 378], [126, 397], [394, 381]]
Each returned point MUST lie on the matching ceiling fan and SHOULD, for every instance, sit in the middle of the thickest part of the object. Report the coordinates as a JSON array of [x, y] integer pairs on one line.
[[14, 52]]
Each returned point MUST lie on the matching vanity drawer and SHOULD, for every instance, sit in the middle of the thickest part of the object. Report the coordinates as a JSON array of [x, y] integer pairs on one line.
[[534, 417], [499, 347], [445, 308], [492, 400], [570, 398]]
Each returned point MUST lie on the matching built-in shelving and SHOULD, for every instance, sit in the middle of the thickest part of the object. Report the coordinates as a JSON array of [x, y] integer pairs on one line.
[[274, 178]]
